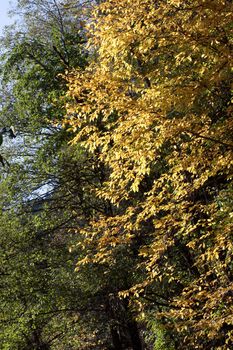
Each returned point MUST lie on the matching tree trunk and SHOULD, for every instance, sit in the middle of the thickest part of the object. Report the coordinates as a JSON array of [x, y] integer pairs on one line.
[[116, 341], [134, 335]]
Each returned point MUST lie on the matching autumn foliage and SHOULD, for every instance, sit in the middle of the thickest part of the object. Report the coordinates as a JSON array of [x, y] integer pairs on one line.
[[153, 107]]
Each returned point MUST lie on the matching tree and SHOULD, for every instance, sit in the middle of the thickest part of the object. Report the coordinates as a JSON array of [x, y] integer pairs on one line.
[[35, 54], [154, 107], [39, 303]]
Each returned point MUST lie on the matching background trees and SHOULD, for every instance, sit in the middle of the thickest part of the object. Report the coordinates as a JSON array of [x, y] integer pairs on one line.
[[39, 307]]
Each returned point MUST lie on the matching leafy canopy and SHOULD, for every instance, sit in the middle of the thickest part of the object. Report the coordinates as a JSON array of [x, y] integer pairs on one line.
[[154, 106]]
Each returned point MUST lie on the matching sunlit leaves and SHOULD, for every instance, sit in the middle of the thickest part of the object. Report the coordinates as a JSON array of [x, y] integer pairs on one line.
[[154, 107]]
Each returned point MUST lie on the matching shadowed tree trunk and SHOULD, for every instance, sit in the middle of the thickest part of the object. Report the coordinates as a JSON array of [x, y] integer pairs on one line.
[[134, 335]]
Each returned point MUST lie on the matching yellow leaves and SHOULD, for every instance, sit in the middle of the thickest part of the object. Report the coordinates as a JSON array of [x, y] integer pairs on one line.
[[153, 107], [124, 294], [182, 57]]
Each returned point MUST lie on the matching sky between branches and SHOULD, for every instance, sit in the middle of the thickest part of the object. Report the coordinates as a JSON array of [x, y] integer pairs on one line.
[[5, 6]]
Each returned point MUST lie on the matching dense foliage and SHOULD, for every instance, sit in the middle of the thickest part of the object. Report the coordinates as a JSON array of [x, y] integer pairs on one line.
[[116, 210]]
